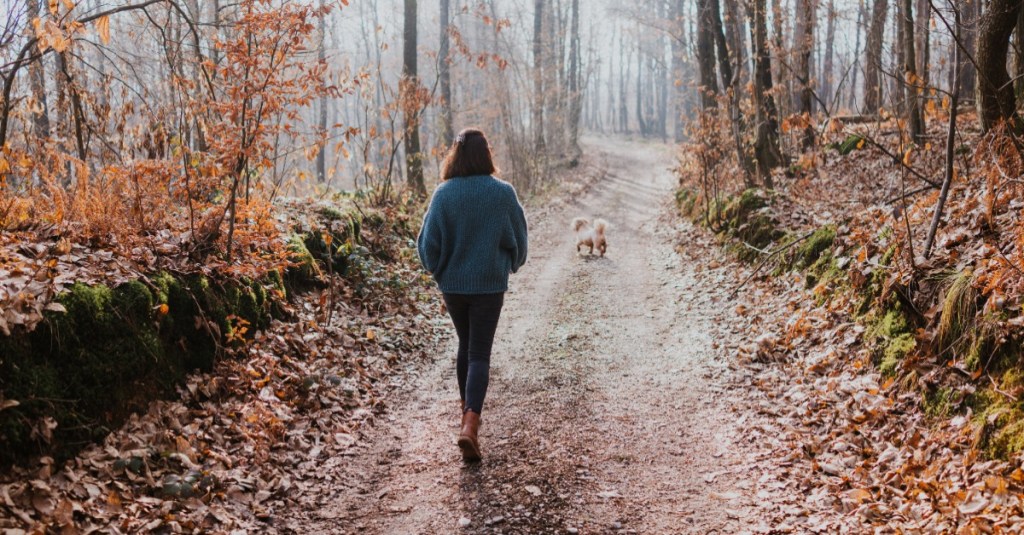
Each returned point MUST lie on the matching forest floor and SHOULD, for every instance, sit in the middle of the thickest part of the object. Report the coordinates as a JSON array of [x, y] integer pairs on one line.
[[613, 406]]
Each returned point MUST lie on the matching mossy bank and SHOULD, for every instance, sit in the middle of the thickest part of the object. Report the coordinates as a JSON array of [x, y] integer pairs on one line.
[[112, 350]]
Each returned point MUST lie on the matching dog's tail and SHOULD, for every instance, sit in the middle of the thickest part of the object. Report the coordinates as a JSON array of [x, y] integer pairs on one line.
[[599, 225], [579, 222]]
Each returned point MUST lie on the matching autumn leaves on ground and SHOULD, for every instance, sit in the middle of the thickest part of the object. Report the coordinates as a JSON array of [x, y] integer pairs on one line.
[[213, 318], [657, 390]]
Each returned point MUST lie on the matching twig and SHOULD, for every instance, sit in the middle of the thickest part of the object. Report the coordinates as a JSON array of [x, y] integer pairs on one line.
[[769, 255]]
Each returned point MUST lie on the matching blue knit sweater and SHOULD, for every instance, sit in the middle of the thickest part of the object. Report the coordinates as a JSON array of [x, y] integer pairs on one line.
[[473, 236]]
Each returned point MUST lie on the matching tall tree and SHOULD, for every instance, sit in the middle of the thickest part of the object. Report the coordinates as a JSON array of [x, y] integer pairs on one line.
[[915, 119], [447, 132], [538, 77], [733, 21], [767, 151], [861, 15], [40, 115], [923, 44], [678, 65], [969, 11], [873, 57], [706, 55], [1018, 69], [996, 98], [575, 92], [412, 106], [321, 54], [827, 67], [803, 45]]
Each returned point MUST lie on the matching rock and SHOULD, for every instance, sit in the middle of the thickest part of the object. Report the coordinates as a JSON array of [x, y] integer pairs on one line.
[[464, 522]]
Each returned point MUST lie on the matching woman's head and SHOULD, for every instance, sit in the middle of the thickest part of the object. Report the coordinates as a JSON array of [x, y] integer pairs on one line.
[[470, 155]]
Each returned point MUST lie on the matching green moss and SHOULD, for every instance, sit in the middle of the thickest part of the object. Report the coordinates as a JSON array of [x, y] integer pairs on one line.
[[112, 351], [896, 349], [825, 270], [812, 248], [891, 339], [940, 402], [686, 202], [1009, 439], [305, 268]]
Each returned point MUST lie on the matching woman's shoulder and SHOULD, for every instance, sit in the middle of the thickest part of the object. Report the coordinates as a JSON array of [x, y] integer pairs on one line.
[[503, 185]]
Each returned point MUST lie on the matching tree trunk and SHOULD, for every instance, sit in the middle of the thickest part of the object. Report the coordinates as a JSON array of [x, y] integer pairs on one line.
[[1018, 65], [997, 101], [827, 66], [923, 44], [641, 124], [803, 44], [678, 64], [779, 51], [725, 66], [898, 69], [915, 119], [861, 15], [950, 141], [40, 115], [969, 10], [410, 79], [873, 57], [574, 83], [624, 61], [538, 78], [767, 152], [321, 155], [447, 129], [706, 55], [735, 37]]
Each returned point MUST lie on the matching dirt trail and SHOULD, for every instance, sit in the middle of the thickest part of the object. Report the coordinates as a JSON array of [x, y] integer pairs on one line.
[[605, 412]]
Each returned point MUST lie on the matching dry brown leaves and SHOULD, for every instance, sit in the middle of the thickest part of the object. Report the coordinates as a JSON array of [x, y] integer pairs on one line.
[[243, 442], [854, 444]]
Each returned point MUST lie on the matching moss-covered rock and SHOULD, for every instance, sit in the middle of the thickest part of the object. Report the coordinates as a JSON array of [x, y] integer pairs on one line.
[[808, 252], [111, 352], [891, 337]]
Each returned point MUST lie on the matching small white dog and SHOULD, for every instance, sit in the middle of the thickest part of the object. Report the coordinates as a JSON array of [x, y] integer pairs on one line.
[[590, 235]]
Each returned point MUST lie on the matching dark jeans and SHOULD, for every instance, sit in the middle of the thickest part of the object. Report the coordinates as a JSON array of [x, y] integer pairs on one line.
[[475, 318]]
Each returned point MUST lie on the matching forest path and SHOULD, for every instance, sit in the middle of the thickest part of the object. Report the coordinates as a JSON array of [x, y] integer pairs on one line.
[[607, 412]]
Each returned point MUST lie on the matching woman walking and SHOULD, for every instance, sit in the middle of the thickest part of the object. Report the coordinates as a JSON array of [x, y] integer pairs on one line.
[[473, 236]]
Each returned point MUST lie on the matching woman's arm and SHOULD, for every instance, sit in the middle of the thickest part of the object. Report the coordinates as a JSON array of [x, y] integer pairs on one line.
[[428, 243], [519, 232]]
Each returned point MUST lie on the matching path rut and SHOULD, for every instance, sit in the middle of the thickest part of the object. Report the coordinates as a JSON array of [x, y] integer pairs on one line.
[[605, 412]]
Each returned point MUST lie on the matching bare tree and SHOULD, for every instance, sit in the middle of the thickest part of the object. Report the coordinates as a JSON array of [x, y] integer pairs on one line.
[[767, 151], [706, 54], [873, 57], [321, 155], [827, 65], [915, 118], [410, 88], [970, 11], [447, 132], [803, 44], [996, 98], [538, 77], [575, 97]]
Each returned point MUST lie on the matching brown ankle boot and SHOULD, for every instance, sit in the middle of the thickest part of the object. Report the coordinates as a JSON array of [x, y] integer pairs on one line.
[[468, 441]]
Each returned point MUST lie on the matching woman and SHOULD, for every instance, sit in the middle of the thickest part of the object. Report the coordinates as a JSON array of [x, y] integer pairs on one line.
[[473, 236]]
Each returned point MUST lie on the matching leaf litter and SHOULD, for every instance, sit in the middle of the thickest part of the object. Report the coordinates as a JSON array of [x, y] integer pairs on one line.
[[229, 455]]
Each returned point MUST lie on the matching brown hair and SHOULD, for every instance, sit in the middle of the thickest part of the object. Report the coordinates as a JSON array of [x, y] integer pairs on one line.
[[469, 155]]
